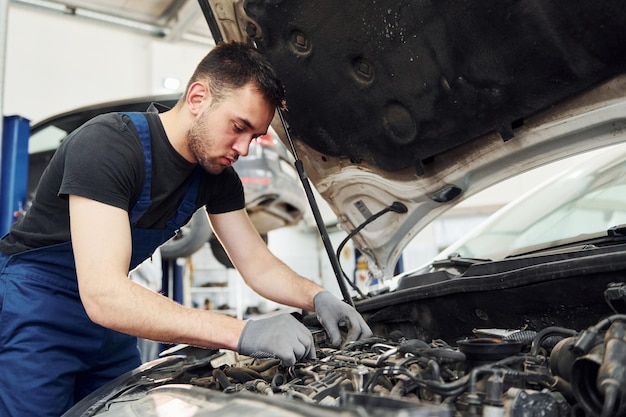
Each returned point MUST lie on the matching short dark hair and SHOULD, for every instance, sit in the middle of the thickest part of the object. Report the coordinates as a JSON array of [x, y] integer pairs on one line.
[[232, 65]]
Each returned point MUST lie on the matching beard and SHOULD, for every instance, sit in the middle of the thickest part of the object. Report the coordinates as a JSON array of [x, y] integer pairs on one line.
[[202, 144]]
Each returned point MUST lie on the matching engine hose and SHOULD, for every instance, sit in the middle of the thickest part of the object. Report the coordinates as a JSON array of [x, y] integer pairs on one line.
[[612, 372], [377, 378], [435, 372], [252, 372], [448, 390], [473, 375], [603, 362], [525, 336], [239, 374], [454, 388], [278, 380], [222, 379], [453, 355], [610, 398], [358, 344], [604, 324], [431, 367], [420, 348], [549, 331]]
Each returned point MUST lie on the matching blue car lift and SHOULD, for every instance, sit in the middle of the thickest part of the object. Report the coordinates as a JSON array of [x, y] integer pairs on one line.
[[13, 169]]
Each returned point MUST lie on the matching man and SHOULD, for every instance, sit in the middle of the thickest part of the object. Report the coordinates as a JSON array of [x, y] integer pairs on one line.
[[117, 188]]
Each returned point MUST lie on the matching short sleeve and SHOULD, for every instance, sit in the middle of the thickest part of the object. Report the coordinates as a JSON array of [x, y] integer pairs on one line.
[[103, 162]]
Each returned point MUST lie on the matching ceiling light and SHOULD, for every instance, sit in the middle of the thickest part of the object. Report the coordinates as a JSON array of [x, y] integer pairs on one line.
[[171, 83]]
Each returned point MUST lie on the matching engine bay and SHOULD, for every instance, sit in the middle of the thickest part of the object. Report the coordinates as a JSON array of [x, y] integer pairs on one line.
[[554, 372]]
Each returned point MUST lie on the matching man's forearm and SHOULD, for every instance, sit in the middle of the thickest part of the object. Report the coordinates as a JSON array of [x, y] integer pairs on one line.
[[143, 313], [283, 285]]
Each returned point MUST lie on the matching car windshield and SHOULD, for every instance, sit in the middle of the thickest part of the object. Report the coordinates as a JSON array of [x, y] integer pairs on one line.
[[586, 199]]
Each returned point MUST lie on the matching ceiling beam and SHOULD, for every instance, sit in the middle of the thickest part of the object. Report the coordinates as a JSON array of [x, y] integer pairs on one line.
[[174, 29]]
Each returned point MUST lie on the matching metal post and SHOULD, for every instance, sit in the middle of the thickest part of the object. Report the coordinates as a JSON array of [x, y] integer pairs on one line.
[[14, 170], [177, 283], [166, 277], [172, 280]]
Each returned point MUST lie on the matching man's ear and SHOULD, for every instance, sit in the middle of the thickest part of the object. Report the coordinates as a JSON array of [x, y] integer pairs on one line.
[[198, 97]]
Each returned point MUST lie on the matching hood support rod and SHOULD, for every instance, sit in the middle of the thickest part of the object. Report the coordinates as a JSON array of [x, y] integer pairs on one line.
[[334, 261]]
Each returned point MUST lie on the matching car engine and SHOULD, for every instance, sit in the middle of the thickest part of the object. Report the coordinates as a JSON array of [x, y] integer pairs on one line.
[[555, 372]]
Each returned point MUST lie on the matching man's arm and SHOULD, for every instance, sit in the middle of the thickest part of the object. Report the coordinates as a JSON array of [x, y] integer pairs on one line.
[[274, 280], [260, 268], [102, 247]]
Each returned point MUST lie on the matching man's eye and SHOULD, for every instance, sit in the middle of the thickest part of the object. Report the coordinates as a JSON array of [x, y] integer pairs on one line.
[[237, 128]]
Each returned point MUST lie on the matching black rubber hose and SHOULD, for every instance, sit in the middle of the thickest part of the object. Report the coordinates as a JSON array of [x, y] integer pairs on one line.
[[278, 380], [359, 344], [251, 372], [240, 375], [610, 399], [418, 347], [395, 207], [222, 379], [549, 331]]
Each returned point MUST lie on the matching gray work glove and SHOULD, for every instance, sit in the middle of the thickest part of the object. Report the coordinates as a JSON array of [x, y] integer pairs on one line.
[[332, 312], [281, 337]]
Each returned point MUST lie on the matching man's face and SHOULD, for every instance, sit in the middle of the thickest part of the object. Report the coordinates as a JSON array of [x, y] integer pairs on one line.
[[223, 131]]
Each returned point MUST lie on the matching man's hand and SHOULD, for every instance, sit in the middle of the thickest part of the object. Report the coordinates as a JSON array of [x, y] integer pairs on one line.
[[281, 337], [331, 312]]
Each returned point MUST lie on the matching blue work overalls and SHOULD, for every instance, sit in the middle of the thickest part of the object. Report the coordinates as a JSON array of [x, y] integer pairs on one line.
[[51, 353]]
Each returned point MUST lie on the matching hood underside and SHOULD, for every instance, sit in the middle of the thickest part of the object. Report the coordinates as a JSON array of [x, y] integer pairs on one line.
[[429, 102], [397, 83]]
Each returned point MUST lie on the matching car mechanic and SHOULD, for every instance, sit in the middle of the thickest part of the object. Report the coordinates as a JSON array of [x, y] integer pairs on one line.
[[116, 189]]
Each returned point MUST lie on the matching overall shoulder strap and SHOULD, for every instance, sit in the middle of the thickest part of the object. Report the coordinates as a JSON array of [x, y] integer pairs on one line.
[[144, 201], [188, 205]]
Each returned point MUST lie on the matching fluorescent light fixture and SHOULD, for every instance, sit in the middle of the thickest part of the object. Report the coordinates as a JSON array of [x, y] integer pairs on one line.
[[171, 83]]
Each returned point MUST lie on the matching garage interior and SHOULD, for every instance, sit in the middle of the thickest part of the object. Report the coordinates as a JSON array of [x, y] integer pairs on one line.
[[60, 55]]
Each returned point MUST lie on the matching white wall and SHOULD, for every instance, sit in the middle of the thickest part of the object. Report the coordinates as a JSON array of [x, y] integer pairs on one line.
[[56, 63]]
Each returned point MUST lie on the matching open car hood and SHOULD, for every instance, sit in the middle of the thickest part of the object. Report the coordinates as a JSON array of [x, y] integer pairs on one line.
[[427, 103]]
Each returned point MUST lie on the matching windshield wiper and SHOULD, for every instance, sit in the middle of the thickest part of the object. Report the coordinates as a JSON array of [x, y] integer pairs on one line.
[[455, 259], [615, 231]]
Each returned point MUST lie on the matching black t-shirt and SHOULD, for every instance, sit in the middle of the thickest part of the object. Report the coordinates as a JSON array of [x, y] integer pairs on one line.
[[103, 161]]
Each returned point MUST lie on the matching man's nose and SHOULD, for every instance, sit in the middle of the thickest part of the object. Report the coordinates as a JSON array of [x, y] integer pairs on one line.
[[242, 145]]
